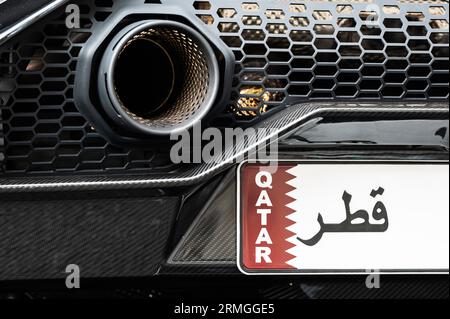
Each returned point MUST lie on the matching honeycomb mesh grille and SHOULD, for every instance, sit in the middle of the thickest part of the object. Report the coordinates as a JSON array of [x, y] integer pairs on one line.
[[288, 51], [285, 52], [43, 130]]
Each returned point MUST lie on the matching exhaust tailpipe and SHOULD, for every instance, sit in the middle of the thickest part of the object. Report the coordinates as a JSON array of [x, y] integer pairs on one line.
[[158, 77]]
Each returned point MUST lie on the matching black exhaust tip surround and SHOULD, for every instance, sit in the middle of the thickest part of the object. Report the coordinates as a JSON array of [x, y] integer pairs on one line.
[[158, 77]]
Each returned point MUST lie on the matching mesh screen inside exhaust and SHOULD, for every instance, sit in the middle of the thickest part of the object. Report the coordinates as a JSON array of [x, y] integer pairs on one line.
[[193, 69]]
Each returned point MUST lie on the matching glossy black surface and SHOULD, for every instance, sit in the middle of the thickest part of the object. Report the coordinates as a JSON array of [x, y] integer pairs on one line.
[[408, 132]]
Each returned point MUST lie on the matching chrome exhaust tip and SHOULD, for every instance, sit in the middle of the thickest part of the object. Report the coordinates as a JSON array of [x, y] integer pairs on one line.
[[158, 77]]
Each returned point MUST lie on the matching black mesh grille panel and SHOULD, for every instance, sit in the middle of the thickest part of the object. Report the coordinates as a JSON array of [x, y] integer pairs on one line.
[[44, 131], [290, 50], [285, 52]]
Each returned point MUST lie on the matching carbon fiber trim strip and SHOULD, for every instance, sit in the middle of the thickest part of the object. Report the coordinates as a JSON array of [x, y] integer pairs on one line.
[[279, 125]]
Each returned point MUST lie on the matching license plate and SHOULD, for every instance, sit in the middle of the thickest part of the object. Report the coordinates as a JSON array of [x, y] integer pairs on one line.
[[333, 217]]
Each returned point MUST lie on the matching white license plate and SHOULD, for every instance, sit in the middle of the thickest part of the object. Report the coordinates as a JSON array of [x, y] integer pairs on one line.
[[332, 217]]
